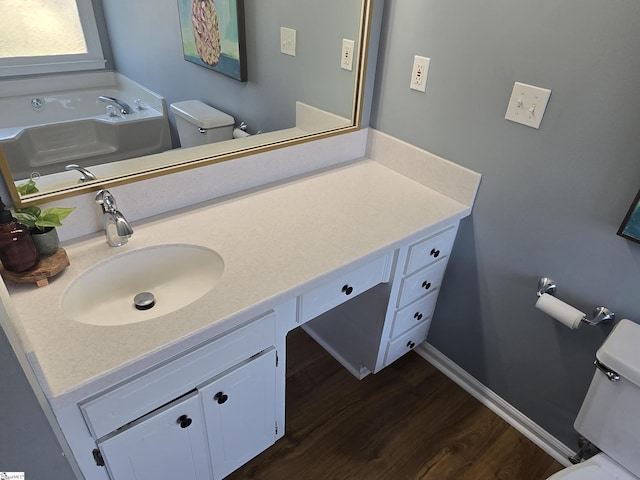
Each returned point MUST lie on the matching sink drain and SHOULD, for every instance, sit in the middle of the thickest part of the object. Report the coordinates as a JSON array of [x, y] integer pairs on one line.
[[144, 300]]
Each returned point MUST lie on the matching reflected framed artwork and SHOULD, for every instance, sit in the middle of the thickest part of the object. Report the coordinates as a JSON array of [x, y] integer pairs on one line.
[[213, 35], [630, 228]]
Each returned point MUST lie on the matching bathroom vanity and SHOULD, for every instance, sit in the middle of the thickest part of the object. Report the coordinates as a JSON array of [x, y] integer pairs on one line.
[[354, 254]]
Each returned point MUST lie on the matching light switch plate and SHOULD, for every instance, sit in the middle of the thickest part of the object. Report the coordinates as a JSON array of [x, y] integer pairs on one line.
[[527, 104], [288, 41], [348, 48]]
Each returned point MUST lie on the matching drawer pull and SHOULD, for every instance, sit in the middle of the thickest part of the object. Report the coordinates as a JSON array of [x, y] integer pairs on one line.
[[418, 316], [220, 398], [434, 253], [426, 285], [184, 421], [347, 289], [410, 344]]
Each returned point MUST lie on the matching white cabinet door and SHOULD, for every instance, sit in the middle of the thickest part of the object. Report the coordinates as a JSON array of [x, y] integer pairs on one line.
[[239, 409], [167, 444]]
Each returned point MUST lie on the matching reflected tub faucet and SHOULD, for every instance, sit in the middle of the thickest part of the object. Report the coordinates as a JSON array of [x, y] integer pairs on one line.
[[85, 175], [122, 106], [116, 228]]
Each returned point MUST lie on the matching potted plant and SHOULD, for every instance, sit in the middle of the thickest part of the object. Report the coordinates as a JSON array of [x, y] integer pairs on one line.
[[42, 225]]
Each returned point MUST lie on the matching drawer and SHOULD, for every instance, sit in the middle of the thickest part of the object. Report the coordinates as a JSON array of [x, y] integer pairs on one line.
[[421, 283], [430, 250], [138, 397], [406, 342], [414, 314], [338, 291]]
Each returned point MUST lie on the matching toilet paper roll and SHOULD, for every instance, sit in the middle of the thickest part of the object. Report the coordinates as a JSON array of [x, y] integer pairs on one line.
[[561, 311], [239, 133]]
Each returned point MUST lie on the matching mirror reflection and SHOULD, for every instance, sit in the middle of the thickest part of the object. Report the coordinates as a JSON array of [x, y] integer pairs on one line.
[[151, 109]]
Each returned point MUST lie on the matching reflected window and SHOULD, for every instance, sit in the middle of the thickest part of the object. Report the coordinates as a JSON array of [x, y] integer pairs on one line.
[[48, 36]]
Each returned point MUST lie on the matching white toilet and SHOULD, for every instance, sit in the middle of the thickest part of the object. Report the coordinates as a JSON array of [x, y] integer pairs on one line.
[[610, 414], [199, 123]]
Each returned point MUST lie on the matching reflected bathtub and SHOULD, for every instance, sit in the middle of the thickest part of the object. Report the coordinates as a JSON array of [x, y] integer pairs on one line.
[[42, 131]]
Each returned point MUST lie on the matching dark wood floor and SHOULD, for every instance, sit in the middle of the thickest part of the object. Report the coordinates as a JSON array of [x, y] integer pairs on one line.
[[407, 422]]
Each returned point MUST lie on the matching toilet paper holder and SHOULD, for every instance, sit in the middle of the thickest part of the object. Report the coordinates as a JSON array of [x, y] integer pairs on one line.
[[600, 314]]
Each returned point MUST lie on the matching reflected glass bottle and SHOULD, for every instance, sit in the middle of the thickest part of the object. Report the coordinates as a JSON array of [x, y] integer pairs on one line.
[[17, 251]]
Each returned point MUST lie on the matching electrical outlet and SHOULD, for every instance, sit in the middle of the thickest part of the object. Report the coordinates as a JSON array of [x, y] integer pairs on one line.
[[527, 104], [288, 41], [348, 49], [419, 73]]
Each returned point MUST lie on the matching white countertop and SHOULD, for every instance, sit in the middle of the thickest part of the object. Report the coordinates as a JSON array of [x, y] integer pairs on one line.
[[276, 243]]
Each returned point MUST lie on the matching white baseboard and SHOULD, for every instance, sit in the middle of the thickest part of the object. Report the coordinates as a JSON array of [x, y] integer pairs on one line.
[[527, 427]]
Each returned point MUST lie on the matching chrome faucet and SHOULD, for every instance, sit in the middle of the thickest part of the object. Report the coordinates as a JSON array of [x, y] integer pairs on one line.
[[116, 227], [124, 107], [85, 175]]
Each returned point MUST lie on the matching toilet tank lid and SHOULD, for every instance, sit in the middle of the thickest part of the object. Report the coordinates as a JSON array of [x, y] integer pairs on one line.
[[201, 114], [620, 351]]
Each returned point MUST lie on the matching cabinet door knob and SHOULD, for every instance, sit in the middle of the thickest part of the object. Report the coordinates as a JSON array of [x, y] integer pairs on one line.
[[435, 253], [221, 397], [347, 290], [418, 316], [410, 344], [184, 421], [426, 285]]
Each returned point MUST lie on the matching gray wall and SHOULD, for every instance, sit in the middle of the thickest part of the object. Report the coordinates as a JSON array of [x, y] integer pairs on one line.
[[550, 201], [147, 47]]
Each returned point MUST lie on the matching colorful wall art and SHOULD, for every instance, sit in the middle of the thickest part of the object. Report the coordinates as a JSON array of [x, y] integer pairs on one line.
[[213, 35], [630, 227]]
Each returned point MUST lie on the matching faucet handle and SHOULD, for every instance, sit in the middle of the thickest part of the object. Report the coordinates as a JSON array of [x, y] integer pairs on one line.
[[108, 201], [100, 196], [112, 111], [85, 175]]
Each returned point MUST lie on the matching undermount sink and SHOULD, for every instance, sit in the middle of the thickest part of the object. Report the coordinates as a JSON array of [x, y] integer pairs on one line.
[[175, 274]]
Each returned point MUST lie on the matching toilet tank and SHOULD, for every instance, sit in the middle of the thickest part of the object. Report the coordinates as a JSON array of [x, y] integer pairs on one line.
[[610, 414], [199, 123]]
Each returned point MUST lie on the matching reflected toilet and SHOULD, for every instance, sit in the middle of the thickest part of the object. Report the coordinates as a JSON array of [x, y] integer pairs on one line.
[[199, 123]]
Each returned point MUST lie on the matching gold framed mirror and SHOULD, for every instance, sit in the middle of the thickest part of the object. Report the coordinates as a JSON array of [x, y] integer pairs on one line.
[[325, 102]]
